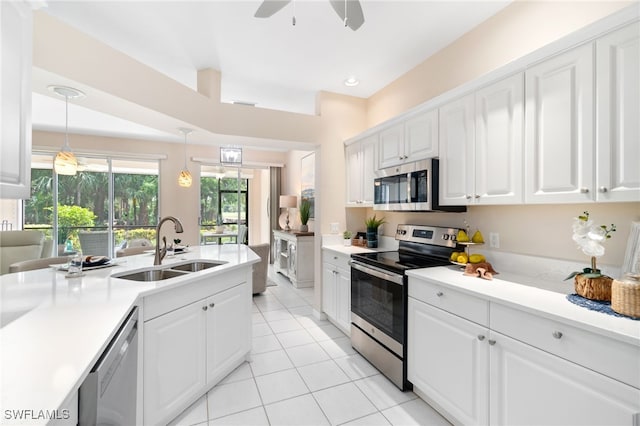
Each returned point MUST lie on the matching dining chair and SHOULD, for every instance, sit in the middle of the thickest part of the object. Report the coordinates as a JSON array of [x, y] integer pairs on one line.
[[94, 243], [260, 269], [242, 234]]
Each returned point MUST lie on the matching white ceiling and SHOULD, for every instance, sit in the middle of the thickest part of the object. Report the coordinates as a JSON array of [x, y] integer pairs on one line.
[[268, 61]]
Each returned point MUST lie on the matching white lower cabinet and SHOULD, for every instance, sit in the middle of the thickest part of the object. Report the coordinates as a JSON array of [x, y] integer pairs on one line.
[[447, 362], [531, 386], [189, 349], [174, 360], [336, 289], [539, 375]]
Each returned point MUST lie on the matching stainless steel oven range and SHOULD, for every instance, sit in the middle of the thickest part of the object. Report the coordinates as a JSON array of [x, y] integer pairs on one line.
[[379, 295]]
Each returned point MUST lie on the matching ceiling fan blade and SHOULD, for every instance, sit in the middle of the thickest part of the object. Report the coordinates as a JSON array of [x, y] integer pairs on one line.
[[355, 17], [269, 7]]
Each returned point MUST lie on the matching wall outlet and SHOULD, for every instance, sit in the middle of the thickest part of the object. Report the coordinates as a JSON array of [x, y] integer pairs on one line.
[[494, 240], [335, 227]]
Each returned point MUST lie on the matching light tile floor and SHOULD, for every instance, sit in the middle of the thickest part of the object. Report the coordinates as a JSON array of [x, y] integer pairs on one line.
[[303, 371]]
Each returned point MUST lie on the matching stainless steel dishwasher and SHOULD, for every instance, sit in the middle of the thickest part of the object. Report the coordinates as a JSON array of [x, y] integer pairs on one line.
[[108, 394]]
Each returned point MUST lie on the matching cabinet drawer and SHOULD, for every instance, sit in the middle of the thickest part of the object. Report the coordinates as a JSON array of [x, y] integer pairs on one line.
[[611, 357], [160, 303], [336, 259], [443, 297]]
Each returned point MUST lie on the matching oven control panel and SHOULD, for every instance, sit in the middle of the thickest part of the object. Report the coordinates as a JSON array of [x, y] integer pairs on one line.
[[434, 235]]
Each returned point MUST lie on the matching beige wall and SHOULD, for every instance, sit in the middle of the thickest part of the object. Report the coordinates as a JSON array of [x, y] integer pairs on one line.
[[517, 30]]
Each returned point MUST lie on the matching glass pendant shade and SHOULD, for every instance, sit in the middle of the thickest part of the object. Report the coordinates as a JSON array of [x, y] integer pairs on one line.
[[185, 179], [65, 163]]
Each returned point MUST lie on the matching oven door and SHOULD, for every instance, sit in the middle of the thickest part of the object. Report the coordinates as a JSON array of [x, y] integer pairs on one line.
[[378, 297]]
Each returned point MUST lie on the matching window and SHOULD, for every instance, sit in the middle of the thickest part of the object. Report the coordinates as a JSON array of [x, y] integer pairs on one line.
[[219, 201], [116, 200]]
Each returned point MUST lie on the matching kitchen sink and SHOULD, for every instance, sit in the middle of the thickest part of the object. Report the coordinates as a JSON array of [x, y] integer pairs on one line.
[[195, 266], [151, 275], [168, 271]]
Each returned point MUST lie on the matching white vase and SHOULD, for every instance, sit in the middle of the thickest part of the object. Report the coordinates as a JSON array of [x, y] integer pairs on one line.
[[347, 241]]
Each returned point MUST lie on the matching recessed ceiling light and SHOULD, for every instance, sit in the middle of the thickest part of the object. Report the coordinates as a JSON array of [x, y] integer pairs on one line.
[[351, 81]]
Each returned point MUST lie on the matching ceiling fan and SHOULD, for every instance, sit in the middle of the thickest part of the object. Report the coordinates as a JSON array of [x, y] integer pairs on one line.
[[349, 11]]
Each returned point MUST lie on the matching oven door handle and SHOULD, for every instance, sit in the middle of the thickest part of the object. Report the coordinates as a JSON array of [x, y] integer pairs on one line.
[[377, 272]]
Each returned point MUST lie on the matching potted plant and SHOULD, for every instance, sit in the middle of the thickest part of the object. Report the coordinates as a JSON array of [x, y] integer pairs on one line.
[[590, 283], [305, 213], [346, 235], [372, 224]]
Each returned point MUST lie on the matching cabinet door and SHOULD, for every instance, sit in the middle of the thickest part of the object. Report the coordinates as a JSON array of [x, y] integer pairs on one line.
[[228, 330], [329, 290], [457, 151], [174, 361], [448, 362], [559, 129], [618, 109], [391, 146], [421, 136], [530, 386], [499, 142], [369, 166], [292, 266], [343, 299], [353, 159], [15, 112]]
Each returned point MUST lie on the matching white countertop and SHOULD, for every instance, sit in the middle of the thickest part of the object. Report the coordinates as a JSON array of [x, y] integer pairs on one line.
[[53, 329], [520, 292]]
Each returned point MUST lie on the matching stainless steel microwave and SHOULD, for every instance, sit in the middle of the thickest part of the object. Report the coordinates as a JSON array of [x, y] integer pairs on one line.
[[410, 187]]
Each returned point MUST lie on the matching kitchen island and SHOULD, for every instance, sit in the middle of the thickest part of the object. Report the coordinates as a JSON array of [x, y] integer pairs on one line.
[[54, 329]]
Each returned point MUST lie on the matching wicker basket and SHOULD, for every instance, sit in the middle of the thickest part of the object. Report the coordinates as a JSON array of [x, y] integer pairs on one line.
[[593, 288], [625, 298]]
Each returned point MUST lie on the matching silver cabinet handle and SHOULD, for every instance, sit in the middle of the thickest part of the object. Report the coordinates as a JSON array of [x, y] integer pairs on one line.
[[491, 342], [477, 196], [603, 189], [557, 334], [468, 197], [211, 305], [584, 190], [480, 337], [439, 294], [204, 308]]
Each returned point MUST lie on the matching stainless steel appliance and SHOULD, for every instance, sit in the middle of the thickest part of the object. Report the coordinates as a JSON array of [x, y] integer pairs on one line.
[[379, 295], [108, 394], [410, 187]]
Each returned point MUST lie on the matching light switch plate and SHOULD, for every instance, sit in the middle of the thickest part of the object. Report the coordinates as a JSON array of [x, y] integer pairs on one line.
[[335, 227], [494, 240]]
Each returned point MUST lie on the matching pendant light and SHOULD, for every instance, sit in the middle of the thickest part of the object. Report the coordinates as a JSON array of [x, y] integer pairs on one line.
[[185, 178], [66, 162]]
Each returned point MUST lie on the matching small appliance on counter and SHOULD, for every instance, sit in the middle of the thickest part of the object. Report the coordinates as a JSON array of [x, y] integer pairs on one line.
[[379, 295]]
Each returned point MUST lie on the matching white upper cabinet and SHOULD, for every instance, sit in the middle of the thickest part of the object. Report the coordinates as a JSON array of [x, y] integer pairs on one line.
[[559, 128], [414, 139], [618, 115], [457, 151], [15, 113], [361, 165], [499, 131]]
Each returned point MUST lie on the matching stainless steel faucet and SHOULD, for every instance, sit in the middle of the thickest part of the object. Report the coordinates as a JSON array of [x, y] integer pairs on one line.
[[161, 253]]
